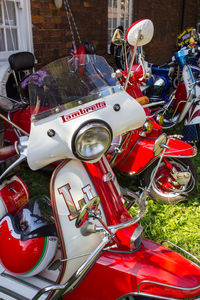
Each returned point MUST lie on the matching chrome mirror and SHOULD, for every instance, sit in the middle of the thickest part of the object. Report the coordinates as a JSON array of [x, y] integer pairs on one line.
[[159, 144], [118, 37], [87, 211]]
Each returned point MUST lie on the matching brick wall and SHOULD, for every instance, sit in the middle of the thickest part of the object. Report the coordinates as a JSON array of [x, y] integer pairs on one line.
[[52, 37], [167, 19], [51, 34]]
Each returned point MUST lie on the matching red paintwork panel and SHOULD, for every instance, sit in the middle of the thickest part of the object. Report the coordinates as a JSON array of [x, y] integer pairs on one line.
[[117, 274], [22, 118], [18, 256], [180, 95], [136, 159], [115, 211]]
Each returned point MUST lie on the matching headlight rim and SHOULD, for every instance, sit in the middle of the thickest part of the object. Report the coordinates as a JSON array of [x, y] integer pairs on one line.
[[145, 126], [73, 143], [160, 119]]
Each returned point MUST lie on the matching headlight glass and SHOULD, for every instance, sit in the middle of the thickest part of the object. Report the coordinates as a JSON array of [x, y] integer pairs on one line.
[[92, 141], [148, 126]]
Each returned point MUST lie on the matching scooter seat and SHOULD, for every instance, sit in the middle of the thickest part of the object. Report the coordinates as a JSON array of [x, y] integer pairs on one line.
[[21, 61]]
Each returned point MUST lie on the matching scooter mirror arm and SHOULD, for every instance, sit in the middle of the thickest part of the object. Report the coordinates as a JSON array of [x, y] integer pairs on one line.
[[77, 276], [165, 147], [142, 210], [153, 104], [111, 230], [132, 59], [14, 125], [125, 54]]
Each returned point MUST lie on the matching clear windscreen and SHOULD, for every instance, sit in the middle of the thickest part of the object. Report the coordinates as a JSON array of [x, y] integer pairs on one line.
[[69, 82]]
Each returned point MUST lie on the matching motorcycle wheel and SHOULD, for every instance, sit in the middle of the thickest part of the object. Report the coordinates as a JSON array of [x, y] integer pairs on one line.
[[163, 183]]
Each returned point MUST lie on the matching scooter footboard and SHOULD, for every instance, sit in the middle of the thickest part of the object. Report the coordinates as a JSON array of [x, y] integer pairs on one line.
[[152, 270]]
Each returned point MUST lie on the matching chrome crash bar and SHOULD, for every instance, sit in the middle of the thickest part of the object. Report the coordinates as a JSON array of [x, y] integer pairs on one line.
[[77, 276]]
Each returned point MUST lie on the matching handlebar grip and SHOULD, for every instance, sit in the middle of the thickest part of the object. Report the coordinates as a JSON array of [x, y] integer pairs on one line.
[[7, 151]]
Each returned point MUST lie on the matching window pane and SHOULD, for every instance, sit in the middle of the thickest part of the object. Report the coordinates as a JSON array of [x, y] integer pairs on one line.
[[115, 3], [109, 23], [9, 12], [12, 43], [114, 23], [109, 35], [122, 12], [2, 41], [1, 17]]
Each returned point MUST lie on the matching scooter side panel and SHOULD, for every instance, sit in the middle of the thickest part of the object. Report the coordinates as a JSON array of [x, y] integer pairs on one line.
[[142, 155], [116, 274], [193, 116], [71, 189]]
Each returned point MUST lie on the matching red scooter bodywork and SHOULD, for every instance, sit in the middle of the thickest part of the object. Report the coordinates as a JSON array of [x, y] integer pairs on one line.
[[146, 270], [118, 274], [180, 95], [138, 152]]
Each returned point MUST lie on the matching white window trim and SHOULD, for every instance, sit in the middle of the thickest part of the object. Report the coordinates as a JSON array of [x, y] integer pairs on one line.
[[130, 10], [25, 37]]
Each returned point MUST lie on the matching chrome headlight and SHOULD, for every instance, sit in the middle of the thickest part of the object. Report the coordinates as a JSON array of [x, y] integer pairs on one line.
[[160, 119], [92, 140], [148, 126]]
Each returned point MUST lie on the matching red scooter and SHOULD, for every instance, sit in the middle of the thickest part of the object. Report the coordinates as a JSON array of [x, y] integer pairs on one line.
[[88, 247], [133, 152]]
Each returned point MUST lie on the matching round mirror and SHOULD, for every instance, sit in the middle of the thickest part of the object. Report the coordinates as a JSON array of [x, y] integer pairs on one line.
[[157, 149], [140, 33], [85, 211], [118, 37]]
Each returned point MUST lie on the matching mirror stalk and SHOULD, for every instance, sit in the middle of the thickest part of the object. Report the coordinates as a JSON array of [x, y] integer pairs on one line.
[[132, 60]]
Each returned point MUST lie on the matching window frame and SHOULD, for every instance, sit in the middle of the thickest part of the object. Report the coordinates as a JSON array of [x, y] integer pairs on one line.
[[23, 26], [118, 9]]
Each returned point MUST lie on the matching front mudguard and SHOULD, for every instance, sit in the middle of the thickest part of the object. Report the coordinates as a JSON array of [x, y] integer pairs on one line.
[[141, 155], [117, 274]]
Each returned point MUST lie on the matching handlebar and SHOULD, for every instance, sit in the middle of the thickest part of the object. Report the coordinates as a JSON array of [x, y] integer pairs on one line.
[[8, 151]]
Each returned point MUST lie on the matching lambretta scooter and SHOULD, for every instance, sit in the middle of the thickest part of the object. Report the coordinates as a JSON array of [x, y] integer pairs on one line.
[[133, 153], [185, 100], [101, 253]]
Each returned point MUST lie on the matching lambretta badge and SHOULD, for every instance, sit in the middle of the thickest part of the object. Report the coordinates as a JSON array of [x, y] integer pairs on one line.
[[83, 111]]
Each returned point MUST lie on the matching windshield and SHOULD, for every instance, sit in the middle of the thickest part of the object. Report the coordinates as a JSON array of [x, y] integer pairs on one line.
[[69, 82]]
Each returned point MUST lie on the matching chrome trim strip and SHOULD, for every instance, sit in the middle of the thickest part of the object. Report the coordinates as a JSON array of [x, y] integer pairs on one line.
[[183, 250], [77, 276], [141, 212], [81, 101], [166, 285], [124, 297]]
